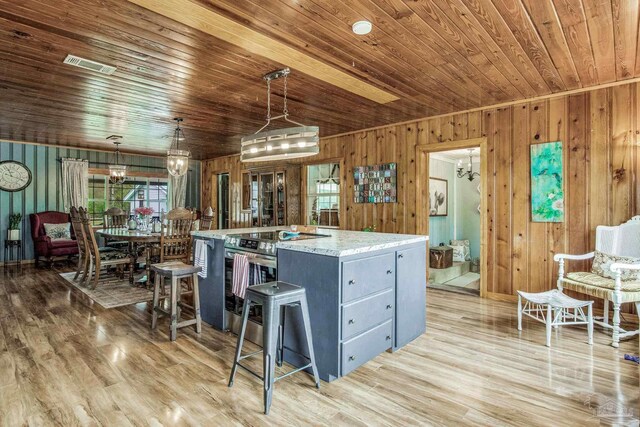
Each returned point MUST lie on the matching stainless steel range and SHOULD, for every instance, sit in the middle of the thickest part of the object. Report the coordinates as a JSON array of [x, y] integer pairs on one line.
[[261, 249], [262, 242]]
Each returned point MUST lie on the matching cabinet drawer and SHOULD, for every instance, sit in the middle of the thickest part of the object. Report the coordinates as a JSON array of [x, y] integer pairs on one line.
[[368, 275], [359, 316], [365, 347]]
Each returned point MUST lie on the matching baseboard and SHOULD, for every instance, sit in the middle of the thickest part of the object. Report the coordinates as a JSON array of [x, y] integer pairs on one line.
[[501, 297], [23, 262]]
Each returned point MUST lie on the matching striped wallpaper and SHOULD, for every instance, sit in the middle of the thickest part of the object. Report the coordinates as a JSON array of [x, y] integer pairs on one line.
[[45, 191]]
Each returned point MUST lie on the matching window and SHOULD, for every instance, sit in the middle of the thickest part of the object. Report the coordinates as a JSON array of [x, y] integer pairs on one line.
[[323, 194], [135, 192]]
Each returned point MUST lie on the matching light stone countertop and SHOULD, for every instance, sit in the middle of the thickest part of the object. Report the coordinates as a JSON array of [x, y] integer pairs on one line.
[[339, 243]]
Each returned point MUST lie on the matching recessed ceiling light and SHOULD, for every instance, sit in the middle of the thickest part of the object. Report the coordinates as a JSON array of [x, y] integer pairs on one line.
[[362, 27]]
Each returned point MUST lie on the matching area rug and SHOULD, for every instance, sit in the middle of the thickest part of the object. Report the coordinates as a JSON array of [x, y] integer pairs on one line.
[[111, 291]]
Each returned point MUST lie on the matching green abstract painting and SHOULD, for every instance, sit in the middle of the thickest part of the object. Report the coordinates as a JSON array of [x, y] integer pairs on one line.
[[547, 197]]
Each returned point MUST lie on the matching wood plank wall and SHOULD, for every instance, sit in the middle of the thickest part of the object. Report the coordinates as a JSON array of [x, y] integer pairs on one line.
[[45, 191], [599, 129]]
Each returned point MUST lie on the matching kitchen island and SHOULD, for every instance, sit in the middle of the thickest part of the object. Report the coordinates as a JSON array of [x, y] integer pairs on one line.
[[366, 292]]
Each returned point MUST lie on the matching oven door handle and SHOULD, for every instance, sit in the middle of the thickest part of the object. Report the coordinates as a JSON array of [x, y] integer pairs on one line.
[[253, 257]]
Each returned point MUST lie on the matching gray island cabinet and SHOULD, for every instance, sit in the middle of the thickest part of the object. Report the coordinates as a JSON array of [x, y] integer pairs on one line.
[[366, 294]]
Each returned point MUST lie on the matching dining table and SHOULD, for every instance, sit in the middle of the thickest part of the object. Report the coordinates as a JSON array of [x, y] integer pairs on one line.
[[135, 239]]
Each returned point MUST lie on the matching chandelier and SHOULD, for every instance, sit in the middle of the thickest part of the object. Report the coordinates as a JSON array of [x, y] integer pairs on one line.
[[280, 144], [117, 172], [469, 173], [177, 159]]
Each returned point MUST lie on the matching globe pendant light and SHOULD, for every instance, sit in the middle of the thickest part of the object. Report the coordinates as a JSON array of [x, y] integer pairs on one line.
[[177, 159], [280, 144], [117, 172]]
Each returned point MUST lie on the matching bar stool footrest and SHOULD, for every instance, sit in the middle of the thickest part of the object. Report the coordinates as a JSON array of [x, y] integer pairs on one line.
[[246, 356], [295, 352]]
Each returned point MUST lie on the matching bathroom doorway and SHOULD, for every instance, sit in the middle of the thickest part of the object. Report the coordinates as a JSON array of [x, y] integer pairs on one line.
[[452, 204]]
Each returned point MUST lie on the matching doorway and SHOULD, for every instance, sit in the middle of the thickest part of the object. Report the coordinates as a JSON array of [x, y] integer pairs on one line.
[[223, 201], [453, 213], [454, 220]]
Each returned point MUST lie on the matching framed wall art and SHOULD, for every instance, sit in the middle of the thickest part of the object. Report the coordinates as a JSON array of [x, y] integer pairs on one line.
[[375, 184], [438, 197], [547, 195]]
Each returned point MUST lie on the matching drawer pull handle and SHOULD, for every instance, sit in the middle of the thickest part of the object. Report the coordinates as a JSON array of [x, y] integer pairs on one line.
[[352, 282], [400, 256], [351, 321], [388, 337], [389, 306], [352, 358], [389, 271]]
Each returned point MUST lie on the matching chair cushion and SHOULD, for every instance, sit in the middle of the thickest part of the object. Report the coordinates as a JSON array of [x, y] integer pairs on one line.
[[118, 244], [597, 291], [58, 231], [113, 255], [63, 248], [63, 243], [602, 282], [602, 266]]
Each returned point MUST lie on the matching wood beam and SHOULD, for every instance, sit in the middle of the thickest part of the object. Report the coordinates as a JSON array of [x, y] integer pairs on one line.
[[203, 19]]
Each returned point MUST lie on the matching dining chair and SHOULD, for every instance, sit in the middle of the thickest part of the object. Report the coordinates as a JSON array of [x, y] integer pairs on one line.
[[175, 246], [83, 255], [175, 241], [115, 218], [100, 259], [206, 222]]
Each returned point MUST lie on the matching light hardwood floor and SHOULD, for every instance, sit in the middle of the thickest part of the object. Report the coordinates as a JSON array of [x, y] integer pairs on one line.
[[65, 362]]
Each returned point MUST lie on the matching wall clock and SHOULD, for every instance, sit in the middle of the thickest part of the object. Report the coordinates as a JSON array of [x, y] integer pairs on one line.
[[14, 176]]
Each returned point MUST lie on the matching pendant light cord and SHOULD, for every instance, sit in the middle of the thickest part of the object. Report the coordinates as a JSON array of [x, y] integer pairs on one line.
[[285, 107], [268, 101], [285, 110]]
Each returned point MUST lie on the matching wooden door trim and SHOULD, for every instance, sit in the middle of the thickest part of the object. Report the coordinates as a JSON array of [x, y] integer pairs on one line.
[[422, 211]]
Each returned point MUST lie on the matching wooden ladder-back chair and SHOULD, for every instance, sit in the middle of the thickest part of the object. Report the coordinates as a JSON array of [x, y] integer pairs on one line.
[[83, 251], [615, 278], [175, 241], [206, 222], [115, 218], [98, 258]]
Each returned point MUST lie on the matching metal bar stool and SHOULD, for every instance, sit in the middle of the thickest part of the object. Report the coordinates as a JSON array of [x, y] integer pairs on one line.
[[274, 297], [176, 270]]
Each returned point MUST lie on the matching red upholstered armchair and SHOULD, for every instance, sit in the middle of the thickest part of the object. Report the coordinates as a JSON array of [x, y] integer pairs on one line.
[[43, 245]]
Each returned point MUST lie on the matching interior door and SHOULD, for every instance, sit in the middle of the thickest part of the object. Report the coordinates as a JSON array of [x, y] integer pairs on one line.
[[223, 201]]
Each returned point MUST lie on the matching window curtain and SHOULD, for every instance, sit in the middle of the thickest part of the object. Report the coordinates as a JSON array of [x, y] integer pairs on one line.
[[178, 185], [75, 183]]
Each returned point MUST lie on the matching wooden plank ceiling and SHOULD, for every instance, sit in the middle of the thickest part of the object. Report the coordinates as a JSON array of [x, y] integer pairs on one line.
[[431, 56]]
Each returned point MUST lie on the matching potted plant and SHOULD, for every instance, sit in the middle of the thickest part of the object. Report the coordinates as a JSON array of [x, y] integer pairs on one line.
[[14, 226]]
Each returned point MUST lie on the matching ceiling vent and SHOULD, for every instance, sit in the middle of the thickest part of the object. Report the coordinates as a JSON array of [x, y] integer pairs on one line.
[[76, 61]]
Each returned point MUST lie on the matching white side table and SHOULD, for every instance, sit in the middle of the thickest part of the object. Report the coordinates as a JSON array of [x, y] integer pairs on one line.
[[553, 308]]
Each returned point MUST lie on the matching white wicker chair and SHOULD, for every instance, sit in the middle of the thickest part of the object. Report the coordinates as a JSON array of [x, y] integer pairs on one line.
[[621, 240]]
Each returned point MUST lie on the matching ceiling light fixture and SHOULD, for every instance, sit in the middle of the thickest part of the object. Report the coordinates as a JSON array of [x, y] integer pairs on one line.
[[362, 27], [278, 144], [117, 172], [177, 159], [469, 174]]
